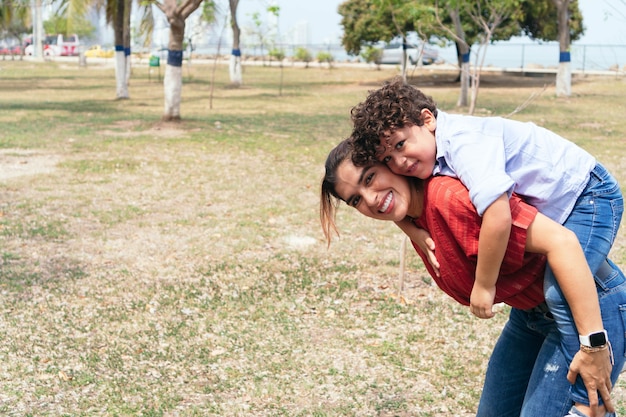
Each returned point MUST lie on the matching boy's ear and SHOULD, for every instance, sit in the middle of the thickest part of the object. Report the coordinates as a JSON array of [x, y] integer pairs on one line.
[[429, 119]]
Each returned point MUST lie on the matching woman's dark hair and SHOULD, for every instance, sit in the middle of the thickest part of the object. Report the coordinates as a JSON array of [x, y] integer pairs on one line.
[[329, 199], [385, 110]]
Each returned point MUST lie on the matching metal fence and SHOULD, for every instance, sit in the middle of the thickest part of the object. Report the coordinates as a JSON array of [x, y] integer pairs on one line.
[[586, 58]]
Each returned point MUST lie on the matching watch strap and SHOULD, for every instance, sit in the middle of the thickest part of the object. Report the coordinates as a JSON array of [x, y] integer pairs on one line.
[[595, 339]]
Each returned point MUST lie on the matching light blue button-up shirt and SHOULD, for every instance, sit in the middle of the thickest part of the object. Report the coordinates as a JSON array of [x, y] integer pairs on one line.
[[493, 155]]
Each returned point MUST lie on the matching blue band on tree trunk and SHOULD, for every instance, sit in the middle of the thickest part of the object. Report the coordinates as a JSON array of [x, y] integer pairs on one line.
[[127, 51], [236, 52], [175, 58], [119, 48], [565, 57], [465, 57]]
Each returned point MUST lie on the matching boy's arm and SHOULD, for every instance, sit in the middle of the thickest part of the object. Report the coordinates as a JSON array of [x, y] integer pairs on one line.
[[422, 239], [492, 242]]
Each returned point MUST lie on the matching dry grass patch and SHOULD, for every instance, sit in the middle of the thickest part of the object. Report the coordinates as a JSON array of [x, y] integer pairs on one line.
[[179, 269]]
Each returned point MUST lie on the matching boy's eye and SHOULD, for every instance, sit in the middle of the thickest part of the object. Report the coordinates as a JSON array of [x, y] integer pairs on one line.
[[399, 145], [386, 159]]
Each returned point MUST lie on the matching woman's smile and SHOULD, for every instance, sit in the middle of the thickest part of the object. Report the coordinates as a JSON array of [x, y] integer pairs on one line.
[[387, 203]]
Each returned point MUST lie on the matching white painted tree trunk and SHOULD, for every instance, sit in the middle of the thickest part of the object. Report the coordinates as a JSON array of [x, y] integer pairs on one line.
[[234, 68], [173, 87], [564, 80], [121, 75]]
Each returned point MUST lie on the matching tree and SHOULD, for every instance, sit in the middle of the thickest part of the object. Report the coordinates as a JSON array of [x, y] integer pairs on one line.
[[555, 20], [490, 16], [15, 20], [236, 77], [118, 12], [176, 15], [367, 22]]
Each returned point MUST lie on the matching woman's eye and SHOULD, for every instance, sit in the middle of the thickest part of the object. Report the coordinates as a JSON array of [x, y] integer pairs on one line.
[[355, 201], [368, 179]]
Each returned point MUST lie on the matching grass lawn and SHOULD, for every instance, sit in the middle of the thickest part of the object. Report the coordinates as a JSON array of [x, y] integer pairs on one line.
[[179, 269]]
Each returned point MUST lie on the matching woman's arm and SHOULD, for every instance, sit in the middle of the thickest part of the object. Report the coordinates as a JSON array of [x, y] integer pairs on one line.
[[567, 260], [422, 239]]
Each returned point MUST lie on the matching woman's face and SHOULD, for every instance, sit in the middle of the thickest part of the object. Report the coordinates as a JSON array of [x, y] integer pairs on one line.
[[374, 191]]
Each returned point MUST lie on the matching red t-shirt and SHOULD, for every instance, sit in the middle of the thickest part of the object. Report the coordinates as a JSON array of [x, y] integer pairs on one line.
[[454, 225]]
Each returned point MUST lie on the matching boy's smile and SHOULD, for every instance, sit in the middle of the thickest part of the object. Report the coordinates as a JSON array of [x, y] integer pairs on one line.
[[411, 150]]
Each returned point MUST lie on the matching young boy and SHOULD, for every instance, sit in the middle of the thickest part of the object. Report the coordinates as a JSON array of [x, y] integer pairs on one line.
[[494, 157]]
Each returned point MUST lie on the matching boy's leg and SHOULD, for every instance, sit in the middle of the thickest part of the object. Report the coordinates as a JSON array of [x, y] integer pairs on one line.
[[596, 216]]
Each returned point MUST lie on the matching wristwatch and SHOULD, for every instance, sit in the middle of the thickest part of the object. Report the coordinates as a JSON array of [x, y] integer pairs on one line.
[[595, 339]]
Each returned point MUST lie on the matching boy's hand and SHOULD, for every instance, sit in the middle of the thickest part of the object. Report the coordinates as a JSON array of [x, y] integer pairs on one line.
[[481, 301]]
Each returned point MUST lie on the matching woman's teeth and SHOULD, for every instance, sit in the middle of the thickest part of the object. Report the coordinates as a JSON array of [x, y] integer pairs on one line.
[[387, 203]]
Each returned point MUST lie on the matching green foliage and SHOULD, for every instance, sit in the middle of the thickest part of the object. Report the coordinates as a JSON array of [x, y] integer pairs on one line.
[[303, 54], [327, 57], [59, 24], [541, 21], [370, 21], [362, 22], [209, 10], [277, 53], [372, 54]]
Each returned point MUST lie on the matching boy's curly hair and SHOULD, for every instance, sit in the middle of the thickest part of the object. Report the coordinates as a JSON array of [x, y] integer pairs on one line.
[[385, 110]]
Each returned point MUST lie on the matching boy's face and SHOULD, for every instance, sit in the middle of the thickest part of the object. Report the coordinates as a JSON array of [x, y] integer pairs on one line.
[[412, 150], [374, 191]]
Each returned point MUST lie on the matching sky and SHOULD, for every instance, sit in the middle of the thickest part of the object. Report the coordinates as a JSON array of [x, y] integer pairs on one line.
[[604, 19]]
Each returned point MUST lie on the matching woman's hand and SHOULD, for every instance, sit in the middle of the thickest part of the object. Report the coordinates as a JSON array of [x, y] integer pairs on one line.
[[595, 370]]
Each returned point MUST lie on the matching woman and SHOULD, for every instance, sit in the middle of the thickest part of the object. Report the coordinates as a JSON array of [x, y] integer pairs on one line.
[[527, 374]]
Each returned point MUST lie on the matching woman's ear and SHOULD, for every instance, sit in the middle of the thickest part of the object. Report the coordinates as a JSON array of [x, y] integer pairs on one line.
[[429, 119]]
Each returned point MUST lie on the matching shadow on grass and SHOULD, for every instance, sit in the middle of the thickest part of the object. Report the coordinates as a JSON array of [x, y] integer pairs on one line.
[[19, 274], [85, 106]]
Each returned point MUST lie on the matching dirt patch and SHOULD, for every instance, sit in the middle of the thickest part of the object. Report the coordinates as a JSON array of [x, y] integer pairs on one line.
[[19, 162]]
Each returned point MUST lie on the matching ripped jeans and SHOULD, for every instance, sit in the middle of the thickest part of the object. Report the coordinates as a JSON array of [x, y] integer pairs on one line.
[[527, 371]]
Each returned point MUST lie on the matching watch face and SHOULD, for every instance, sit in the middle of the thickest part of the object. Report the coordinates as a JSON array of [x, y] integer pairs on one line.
[[597, 339]]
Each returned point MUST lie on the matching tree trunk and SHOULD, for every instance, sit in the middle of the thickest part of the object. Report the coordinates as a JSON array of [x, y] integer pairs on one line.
[[564, 74], [126, 34], [121, 83], [173, 79], [236, 77], [464, 52]]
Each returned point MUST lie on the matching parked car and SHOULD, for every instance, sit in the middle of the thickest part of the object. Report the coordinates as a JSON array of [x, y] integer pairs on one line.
[[96, 51], [392, 54], [57, 45]]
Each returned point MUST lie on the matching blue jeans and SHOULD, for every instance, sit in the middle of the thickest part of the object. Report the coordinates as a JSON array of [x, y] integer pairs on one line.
[[527, 373], [528, 343], [595, 219]]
